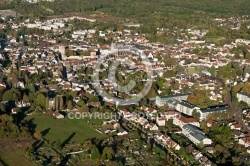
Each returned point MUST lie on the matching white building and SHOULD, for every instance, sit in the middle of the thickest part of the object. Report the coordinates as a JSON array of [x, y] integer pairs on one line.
[[195, 135], [182, 121], [186, 108], [160, 121], [162, 100], [243, 97], [205, 112]]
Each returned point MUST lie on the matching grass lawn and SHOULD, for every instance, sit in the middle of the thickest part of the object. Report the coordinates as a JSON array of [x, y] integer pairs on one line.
[[54, 129], [16, 158]]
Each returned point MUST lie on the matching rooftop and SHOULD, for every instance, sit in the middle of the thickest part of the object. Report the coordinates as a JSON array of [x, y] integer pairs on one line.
[[195, 132]]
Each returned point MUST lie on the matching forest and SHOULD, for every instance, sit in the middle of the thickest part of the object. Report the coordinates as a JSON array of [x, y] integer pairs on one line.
[[141, 10]]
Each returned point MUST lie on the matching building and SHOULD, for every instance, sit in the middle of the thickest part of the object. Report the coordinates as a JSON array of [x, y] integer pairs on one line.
[[205, 112], [242, 96], [162, 100], [182, 121], [186, 108], [160, 121], [58, 115], [126, 102], [195, 135]]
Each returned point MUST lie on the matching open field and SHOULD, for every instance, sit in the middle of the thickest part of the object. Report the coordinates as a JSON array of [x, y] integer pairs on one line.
[[16, 158], [77, 130]]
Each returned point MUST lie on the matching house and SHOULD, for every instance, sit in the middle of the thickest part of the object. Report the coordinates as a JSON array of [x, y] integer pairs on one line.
[[125, 113], [209, 149], [160, 121], [234, 126], [195, 135], [122, 133], [248, 149], [166, 141], [2, 86], [210, 122], [182, 121], [58, 115], [22, 104], [153, 127], [205, 161], [245, 141], [14, 110], [197, 154], [237, 134], [171, 114], [93, 104]]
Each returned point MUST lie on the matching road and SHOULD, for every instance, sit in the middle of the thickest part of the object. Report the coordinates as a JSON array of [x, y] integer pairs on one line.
[[239, 118]]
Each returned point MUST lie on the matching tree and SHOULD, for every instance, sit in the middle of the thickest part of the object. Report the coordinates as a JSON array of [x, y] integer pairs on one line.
[[169, 73], [95, 154], [94, 99], [212, 70], [41, 100], [80, 103], [25, 98], [7, 96], [143, 102], [61, 102], [151, 93], [70, 105], [192, 99], [86, 53], [196, 114], [108, 153], [37, 135]]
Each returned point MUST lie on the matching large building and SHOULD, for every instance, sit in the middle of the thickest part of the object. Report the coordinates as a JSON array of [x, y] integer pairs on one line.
[[195, 135], [243, 97], [205, 112], [162, 100], [188, 109]]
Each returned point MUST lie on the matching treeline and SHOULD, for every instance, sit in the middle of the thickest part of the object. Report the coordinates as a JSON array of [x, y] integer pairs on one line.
[[152, 14], [145, 11], [143, 8]]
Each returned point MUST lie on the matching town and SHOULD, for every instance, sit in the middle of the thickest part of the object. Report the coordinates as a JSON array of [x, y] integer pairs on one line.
[[195, 111]]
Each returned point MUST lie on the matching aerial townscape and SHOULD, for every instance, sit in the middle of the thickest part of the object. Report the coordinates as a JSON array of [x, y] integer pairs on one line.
[[124, 83]]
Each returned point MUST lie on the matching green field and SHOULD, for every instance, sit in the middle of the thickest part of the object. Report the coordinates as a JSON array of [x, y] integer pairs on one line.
[[54, 129], [16, 158]]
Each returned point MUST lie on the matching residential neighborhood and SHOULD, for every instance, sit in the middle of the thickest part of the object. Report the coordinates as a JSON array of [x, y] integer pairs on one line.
[[80, 90]]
